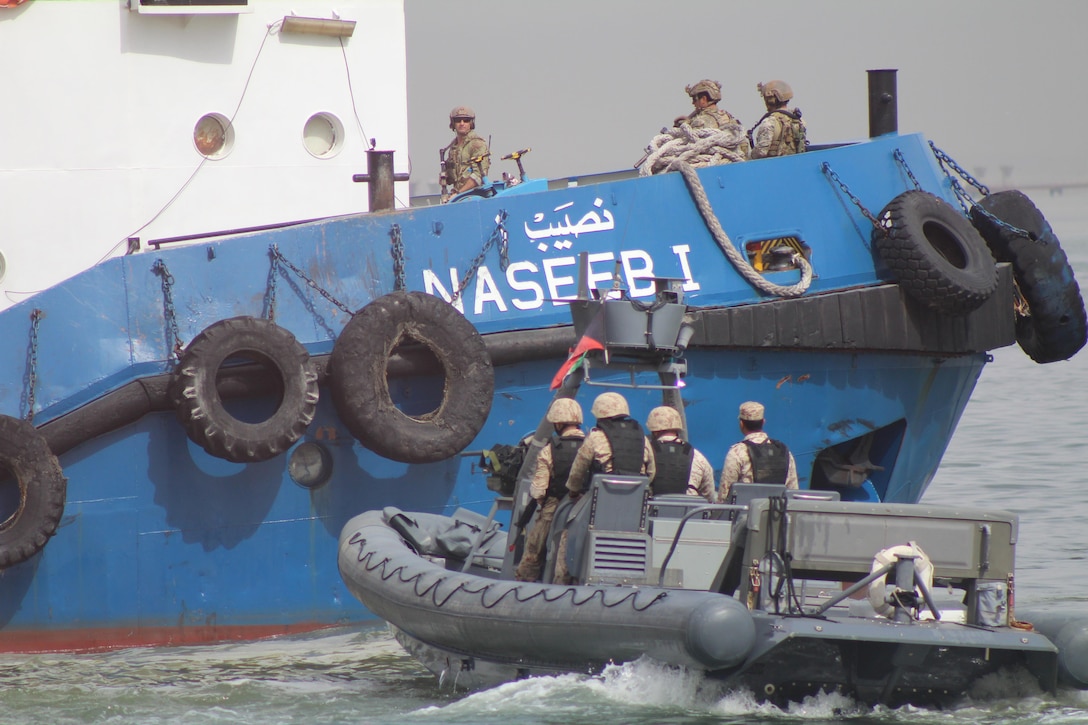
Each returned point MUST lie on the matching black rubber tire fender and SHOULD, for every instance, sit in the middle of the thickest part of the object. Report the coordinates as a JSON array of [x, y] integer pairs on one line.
[[1056, 326], [360, 385], [25, 456], [935, 254], [200, 408]]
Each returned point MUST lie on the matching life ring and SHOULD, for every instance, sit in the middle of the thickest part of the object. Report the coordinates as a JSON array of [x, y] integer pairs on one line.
[[1053, 325], [200, 408], [935, 254], [922, 567], [360, 385], [25, 454]]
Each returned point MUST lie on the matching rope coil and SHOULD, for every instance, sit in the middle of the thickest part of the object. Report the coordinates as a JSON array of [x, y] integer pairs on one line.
[[693, 146]]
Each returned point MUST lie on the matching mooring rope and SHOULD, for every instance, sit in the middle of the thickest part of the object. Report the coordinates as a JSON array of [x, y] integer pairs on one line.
[[698, 194]]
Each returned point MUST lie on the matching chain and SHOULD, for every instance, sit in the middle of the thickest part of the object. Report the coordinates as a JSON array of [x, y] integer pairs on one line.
[[902, 161], [396, 248], [313, 285], [270, 297], [32, 365], [965, 199], [498, 236], [160, 269], [944, 158], [830, 173]]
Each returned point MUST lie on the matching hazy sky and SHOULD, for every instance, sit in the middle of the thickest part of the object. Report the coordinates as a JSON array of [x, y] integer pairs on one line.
[[587, 83]]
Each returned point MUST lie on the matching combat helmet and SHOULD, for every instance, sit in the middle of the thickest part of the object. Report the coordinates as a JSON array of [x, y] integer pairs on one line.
[[463, 112], [565, 410], [664, 417], [779, 90], [609, 405], [712, 89]]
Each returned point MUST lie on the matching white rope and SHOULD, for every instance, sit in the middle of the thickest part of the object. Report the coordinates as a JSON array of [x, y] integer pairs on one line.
[[738, 260], [694, 146]]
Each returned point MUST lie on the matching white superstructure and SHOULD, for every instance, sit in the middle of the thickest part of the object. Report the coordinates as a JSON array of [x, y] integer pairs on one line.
[[138, 118]]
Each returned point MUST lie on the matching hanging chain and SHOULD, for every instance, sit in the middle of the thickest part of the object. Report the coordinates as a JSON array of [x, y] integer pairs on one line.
[[500, 237], [965, 199], [902, 161], [830, 173], [396, 249], [32, 365], [944, 158], [169, 313], [277, 256], [270, 296]]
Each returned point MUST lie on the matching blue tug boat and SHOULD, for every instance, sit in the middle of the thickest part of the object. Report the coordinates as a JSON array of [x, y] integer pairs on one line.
[[186, 429]]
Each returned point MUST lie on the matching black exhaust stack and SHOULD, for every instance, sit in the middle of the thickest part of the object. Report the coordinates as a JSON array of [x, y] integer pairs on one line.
[[883, 108]]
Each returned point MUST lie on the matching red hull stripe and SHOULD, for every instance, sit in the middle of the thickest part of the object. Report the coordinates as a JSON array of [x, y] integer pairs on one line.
[[107, 638]]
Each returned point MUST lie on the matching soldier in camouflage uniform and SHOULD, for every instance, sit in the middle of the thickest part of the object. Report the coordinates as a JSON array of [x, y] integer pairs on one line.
[[680, 467], [467, 159], [781, 131], [758, 458], [549, 484], [705, 96], [615, 445]]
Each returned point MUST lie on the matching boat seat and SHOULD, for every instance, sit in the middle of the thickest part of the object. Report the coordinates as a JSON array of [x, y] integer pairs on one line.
[[606, 537]]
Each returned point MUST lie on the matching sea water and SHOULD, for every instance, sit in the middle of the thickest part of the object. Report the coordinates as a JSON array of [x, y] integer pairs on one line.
[[1020, 446]]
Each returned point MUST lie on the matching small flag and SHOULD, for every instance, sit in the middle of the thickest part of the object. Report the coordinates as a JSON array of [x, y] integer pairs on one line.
[[590, 340]]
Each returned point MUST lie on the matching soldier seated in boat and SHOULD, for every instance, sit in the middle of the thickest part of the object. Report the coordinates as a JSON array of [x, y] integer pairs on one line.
[[681, 468], [781, 131], [615, 445], [758, 458], [549, 484], [466, 160]]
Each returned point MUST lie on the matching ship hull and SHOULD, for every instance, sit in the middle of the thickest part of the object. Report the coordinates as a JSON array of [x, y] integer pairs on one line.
[[162, 542]]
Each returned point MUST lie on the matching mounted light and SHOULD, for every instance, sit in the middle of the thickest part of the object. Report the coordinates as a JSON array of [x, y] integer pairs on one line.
[[318, 26]]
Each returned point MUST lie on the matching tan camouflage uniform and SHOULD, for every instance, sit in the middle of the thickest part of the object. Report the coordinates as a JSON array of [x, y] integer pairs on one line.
[[701, 478], [459, 165], [536, 540], [710, 117], [738, 466]]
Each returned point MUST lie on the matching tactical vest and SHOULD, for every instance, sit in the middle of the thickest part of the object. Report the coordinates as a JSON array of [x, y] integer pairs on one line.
[[711, 118], [770, 461], [792, 138], [627, 442], [672, 461], [458, 164], [563, 451]]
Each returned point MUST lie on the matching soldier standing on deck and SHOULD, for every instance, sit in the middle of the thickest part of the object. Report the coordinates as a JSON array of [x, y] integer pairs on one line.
[[466, 160], [550, 481], [705, 96], [781, 131]]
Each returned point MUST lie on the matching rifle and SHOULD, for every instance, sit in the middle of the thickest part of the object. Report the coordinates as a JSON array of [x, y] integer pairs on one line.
[[527, 514], [442, 171]]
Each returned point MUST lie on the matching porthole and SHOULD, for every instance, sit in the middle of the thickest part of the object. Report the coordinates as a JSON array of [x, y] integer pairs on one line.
[[310, 465], [323, 135], [213, 135], [3, 266]]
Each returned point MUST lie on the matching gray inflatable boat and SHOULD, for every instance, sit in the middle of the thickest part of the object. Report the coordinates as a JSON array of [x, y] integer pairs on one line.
[[890, 604]]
